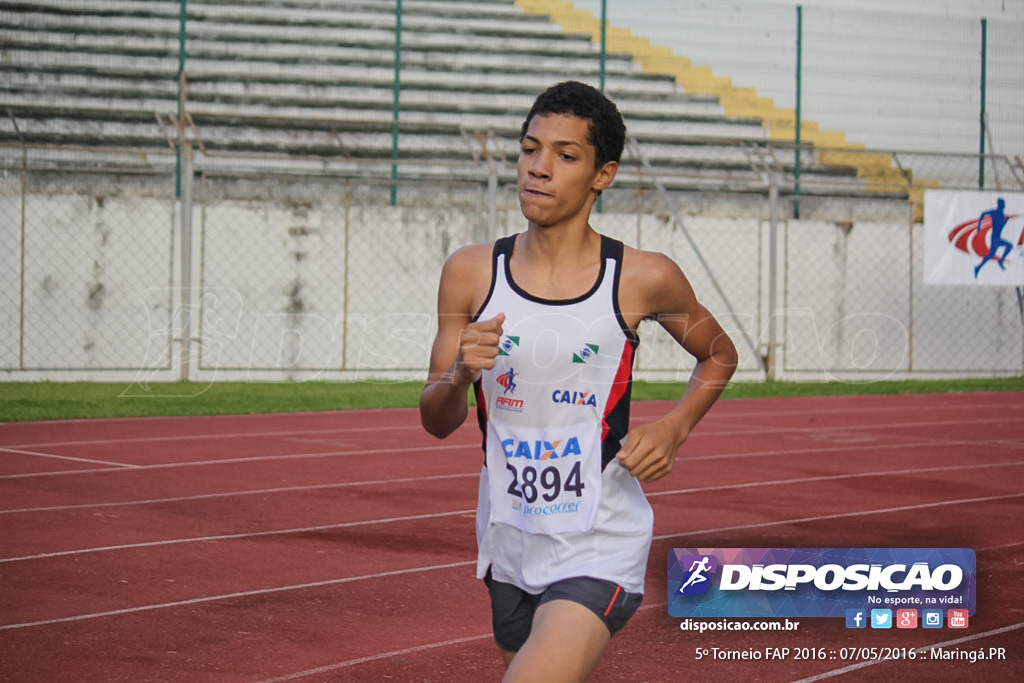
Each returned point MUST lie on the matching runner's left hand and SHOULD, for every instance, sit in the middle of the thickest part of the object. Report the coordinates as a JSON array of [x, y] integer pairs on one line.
[[650, 451]]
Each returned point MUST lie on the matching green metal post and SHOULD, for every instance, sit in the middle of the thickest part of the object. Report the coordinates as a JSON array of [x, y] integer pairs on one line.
[[799, 113], [604, 43], [981, 118], [396, 108], [182, 21], [604, 37], [184, 176]]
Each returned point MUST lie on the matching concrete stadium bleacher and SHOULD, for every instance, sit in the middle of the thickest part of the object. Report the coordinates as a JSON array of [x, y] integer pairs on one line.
[[291, 80]]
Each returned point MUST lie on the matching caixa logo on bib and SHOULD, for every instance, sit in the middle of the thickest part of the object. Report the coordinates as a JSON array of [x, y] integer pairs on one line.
[[541, 449], [574, 398], [817, 582]]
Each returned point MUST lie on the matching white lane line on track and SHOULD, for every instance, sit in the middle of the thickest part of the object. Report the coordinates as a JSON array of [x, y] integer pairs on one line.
[[250, 492], [36, 454], [921, 650], [213, 598], [254, 458], [234, 537], [230, 596], [859, 447], [327, 668], [836, 477], [340, 525], [842, 515], [226, 435], [731, 430], [298, 433], [747, 427], [462, 475], [1004, 546], [929, 407]]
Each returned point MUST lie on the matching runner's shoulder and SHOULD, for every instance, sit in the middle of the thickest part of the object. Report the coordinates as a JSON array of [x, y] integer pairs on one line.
[[649, 269], [466, 275]]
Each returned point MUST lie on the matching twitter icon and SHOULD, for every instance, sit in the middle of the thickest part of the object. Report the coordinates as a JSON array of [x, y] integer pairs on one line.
[[881, 618]]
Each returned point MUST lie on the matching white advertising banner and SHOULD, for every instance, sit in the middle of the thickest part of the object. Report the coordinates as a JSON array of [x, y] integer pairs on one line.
[[974, 238]]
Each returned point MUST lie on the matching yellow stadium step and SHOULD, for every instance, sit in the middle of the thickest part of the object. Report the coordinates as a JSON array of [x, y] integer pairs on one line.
[[878, 170]]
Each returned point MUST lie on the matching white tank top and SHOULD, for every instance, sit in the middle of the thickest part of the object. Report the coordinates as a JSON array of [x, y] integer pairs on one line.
[[553, 412]]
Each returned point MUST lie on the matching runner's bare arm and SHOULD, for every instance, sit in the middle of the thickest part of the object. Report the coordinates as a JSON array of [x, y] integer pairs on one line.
[[461, 349], [664, 292]]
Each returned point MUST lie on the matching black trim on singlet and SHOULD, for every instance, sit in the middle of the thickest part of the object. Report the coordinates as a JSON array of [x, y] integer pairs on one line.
[[618, 421], [501, 246], [618, 418], [506, 245], [613, 249], [610, 249]]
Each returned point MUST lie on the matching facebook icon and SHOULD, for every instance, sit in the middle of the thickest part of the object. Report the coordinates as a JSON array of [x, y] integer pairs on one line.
[[856, 618]]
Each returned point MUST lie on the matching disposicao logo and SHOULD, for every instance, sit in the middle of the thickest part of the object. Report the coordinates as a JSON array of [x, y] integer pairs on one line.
[[817, 582], [696, 580]]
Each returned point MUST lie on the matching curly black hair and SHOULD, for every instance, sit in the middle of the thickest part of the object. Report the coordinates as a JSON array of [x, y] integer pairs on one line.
[[605, 129]]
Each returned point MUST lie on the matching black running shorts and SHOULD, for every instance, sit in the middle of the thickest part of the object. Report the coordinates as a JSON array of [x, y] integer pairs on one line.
[[512, 608]]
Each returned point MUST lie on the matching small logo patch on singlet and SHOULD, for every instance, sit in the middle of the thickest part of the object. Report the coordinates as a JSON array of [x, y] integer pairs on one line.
[[585, 354]]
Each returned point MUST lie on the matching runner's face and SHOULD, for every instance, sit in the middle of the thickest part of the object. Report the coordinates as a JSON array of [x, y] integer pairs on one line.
[[557, 178]]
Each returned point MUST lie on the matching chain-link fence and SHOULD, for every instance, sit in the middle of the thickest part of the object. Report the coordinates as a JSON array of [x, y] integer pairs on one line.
[[280, 205], [310, 275]]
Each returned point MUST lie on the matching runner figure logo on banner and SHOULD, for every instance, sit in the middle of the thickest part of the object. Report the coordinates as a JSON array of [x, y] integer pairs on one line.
[[974, 238]]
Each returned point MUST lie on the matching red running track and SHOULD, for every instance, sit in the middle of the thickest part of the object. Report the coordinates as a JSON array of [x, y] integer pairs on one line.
[[340, 546]]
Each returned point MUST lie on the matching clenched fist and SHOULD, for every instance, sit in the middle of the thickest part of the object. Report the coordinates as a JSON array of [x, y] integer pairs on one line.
[[478, 347]]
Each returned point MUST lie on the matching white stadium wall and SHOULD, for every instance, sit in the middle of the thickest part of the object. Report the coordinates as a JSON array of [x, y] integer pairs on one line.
[[325, 292]]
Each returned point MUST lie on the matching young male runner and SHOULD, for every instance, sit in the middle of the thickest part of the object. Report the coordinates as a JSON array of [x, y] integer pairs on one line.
[[543, 325]]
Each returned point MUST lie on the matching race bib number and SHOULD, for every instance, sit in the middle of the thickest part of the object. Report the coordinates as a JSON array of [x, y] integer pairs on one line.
[[545, 481]]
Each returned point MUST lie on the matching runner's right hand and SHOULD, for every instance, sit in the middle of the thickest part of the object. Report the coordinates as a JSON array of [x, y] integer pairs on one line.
[[478, 348]]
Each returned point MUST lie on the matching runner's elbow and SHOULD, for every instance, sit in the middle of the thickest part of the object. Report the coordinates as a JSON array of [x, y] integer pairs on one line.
[[436, 428], [439, 421]]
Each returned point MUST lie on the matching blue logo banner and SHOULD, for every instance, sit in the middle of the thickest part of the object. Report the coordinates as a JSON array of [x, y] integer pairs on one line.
[[818, 582]]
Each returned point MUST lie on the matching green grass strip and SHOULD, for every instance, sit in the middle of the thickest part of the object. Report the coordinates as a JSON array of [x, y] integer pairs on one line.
[[71, 400]]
